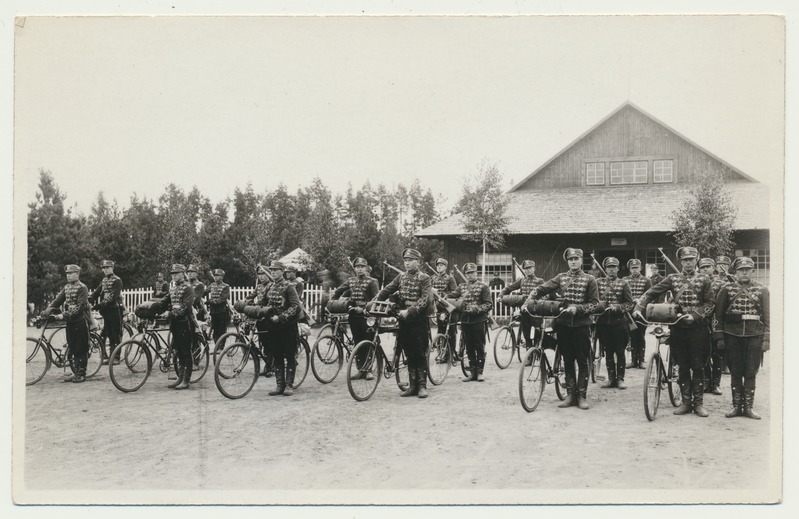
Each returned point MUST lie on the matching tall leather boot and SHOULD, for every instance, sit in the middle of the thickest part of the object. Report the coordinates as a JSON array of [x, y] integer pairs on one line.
[[611, 381], [186, 380], [749, 402], [685, 393], [582, 399], [737, 403], [280, 381], [481, 362], [620, 377], [471, 375], [699, 398], [421, 376], [288, 391], [715, 386], [413, 387], [177, 382], [571, 394]]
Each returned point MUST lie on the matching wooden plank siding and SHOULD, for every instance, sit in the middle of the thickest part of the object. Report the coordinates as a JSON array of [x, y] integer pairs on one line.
[[625, 136]]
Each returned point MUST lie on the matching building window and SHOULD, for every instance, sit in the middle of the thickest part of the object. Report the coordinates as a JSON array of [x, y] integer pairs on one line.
[[595, 174], [628, 172], [762, 263], [654, 258], [496, 264], [663, 171]]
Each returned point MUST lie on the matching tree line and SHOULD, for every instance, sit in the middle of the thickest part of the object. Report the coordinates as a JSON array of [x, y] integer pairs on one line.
[[235, 235]]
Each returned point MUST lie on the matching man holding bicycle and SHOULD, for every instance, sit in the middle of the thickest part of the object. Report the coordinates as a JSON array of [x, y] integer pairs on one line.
[[283, 310], [107, 297], [361, 288], [615, 300], [258, 297], [414, 291], [689, 342], [638, 285], [526, 285], [218, 302], [180, 301], [475, 305], [444, 285], [74, 301]]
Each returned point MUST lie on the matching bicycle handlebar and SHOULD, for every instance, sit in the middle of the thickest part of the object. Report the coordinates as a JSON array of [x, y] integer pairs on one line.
[[657, 323]]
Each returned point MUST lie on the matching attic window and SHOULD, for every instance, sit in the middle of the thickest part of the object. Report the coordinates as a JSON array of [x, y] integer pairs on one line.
[[633, 172], [663, 171], [595, 174]]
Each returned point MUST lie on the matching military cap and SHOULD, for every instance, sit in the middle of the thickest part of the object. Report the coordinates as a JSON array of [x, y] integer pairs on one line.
[[723, 260], [276, 265], [107, 263], [291, 268], [360, 262], [219, 272], [71, 268], [528, 263], [191, 268], [261, 270], [411, 254], [706, 262], [610, 261], [177, 267], [442, 261], [469, 267], [635, 262], [687, 253], [742, 262], [571, 253]]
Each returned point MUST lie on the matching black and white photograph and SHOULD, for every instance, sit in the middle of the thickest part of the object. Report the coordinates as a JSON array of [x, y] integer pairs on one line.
[[416, 256]]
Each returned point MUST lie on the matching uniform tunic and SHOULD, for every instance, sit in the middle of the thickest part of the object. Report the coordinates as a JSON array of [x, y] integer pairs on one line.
[[611, 326], [525, 286], [108, 295], [414, 293], [638, 285], [283, 335], [74, 298], [445, 286], [180, 301], [218, 300], [362, 289], [475, 306]]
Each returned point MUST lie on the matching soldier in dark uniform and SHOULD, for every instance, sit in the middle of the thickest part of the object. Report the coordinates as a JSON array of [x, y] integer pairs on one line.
[[580, 296], [218, 303], [199, 291], [284, 308], [714, 362], [180, 301], [474, 307], [160, 287], [723, 272], [414, 295], [688, 340], [106, 297], [291, 277], [258, 298], [361, 289], [572, 325], [615, 300], [74, 298], [638, 285], [444, 285], [743, 330], [526, 285]]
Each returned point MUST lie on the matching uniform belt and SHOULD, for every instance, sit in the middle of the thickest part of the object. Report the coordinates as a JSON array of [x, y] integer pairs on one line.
[[750, 317]]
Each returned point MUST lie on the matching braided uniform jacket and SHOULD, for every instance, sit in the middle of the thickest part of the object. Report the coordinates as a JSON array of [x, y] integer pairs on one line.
[[362, 289], [258, 296], [282, 296], [415, 294], [524, 285], [578, 290], [696, 296], [75, 299], [444, 284], [476, 301], [109, 293], [748, 313], [716, 283], [614, 292], [638, 284], [218, 296], [180, 301]]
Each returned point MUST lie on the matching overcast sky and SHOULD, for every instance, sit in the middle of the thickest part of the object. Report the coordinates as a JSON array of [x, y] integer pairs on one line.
[[129, 105]]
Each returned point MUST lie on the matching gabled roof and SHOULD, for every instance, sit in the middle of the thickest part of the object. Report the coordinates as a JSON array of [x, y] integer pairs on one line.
[[297, 258], [613, 113], [644, 208]]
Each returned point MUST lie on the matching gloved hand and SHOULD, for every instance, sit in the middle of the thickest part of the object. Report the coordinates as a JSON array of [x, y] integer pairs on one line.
[[764, 345], [600, 307]]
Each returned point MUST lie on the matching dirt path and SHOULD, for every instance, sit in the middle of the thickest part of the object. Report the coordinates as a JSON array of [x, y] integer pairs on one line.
[[466, 443]]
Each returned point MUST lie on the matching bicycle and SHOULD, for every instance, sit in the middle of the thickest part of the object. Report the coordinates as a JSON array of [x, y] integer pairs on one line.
[[131, 362], [658, 376], [333, 346], [41, 354], [597, 354], [508, 342], [440, 358], [362, 380], [239, 364], [537, 370]]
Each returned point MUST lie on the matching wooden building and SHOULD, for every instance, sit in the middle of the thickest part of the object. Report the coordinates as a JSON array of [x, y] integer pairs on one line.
[[612, 192]]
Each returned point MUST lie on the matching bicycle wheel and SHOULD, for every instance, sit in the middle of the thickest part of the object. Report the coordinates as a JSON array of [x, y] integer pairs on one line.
[[303, 360], [327, 357], [360, 384], [37, 360], [226, 339], [560, 376], [237, 370], [504, 342], [201, 356], [401, 374], [652, 386], [438, 362], [130, 365], [466, 367], [326, 329], [94, 358], [531, 380], [675, 396]]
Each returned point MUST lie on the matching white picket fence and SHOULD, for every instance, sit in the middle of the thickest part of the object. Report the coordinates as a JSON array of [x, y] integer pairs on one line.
[[311, 296]]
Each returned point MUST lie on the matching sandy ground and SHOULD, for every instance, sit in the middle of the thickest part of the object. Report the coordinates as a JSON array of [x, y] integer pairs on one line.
[[468, 442]]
